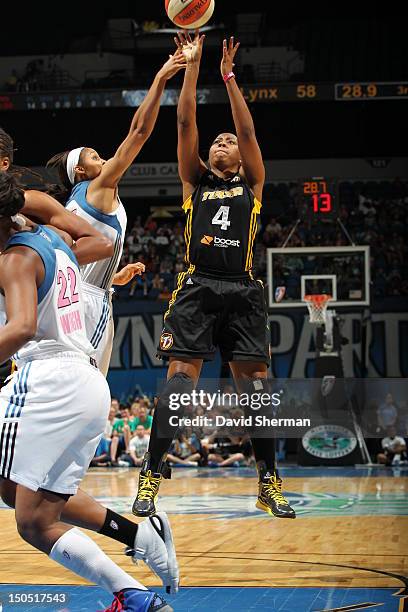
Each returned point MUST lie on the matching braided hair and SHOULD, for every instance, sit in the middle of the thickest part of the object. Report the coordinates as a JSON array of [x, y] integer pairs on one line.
[[11, 195], [6, 145], [62, 190]]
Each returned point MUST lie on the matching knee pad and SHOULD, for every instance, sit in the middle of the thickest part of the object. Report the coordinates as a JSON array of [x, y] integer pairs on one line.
[[177, 385]]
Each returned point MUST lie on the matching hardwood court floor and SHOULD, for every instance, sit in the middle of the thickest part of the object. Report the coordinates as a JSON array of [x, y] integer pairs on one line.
[[351, 530]]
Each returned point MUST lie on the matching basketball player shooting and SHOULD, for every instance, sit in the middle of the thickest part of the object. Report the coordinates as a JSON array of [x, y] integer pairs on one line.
[[217, 302]]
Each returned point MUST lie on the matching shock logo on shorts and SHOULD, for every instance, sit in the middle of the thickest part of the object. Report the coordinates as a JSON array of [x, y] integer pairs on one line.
[[166, 341]]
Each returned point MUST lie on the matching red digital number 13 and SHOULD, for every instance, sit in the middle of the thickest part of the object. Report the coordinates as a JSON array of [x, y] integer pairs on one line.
[[321, 202]]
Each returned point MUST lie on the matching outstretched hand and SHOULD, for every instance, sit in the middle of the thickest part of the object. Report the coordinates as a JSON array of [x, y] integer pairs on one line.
[[176, 62], [191, 48], [228, 54], [128, 272]]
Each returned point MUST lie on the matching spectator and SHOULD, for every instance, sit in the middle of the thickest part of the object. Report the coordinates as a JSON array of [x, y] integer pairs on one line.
[[115, 406], [102, 453], [143, 419], [228, 450], [138, 445], [150, 225], [274, 228], [387, 413], [120, 436], [13, 82], [394, 448], [184, 450], [157, 282]]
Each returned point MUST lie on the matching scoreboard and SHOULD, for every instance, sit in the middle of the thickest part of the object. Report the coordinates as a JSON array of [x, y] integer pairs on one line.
[[268, 93], [318, 198]]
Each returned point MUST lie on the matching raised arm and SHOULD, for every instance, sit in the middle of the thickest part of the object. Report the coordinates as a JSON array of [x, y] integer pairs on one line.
[[90, 245], [190, 165], [141, 127], [252, 163]]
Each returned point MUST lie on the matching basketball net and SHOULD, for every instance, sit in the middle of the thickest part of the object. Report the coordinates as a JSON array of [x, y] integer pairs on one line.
[[317, 306]]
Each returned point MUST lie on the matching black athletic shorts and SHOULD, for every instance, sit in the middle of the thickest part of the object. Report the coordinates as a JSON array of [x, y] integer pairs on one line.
[[207, 313]]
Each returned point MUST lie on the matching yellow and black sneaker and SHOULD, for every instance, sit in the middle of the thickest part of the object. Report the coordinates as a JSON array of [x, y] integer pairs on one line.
[[270, 498], [149, 483]]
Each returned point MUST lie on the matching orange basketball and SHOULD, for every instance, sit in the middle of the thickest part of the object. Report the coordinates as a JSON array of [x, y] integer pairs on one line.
[[189, 14]]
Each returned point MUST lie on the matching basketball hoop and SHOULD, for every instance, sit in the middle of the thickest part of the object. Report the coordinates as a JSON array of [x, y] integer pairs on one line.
[[317, 305]]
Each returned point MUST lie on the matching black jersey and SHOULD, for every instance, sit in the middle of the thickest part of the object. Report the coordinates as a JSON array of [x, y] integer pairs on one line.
[[221, 226]]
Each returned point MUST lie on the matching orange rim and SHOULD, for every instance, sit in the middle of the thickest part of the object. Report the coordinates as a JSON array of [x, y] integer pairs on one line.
[[317, 299]]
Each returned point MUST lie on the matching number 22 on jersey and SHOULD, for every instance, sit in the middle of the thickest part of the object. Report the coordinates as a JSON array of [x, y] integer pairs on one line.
[[67, 297]]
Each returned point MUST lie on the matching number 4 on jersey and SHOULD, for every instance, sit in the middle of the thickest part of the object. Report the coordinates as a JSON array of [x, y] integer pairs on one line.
[[221, 217]]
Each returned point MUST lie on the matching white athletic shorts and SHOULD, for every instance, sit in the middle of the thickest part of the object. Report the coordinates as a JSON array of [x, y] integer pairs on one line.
[[99, 323], [53, 413]]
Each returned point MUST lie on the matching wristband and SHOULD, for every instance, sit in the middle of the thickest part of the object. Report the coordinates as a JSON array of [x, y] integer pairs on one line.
[[228, 76]]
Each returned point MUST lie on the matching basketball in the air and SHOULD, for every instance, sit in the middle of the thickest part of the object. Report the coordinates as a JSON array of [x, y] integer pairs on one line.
[[189, 14]]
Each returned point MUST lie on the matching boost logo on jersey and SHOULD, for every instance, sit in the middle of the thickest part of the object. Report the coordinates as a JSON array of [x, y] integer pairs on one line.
[[206, 240], [219, 242]]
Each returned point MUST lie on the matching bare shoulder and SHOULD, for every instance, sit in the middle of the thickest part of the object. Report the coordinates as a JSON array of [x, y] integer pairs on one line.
[[102, 197], [19, 258]]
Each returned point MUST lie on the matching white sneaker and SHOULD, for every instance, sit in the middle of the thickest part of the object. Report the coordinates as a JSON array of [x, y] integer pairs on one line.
[[154, 545], [397, 459]]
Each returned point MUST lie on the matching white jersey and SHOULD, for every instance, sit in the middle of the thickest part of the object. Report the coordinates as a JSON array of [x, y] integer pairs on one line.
[[113, 226], [391, 443], [60, 310]]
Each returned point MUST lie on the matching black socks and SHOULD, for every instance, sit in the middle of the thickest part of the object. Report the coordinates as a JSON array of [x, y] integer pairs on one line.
[[119, 528]]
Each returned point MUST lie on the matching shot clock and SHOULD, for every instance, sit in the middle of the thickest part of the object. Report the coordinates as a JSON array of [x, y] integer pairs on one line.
[[317, 198]]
